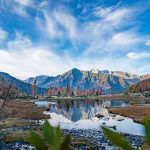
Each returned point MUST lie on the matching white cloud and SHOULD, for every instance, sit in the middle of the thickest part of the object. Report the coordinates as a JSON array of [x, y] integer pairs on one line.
[[48, 25], [103, 34], [39, 60], [108, 33], [20, 10], [118, 14], [51, 26], [103, 38], [102, 12], [18, 7], [43, 3], [58, 24], [138, 55], [147, 43], [124, 38], [25, 2], [67, 21], [22, 58], [20, 42], [30, 60], [3, 34], [114, 15]]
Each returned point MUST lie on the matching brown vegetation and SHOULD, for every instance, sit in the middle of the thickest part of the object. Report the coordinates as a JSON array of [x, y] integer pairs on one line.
[[25, 110], [13, 136], [139, 87], [4, 86], [137, 112], [121, 97], [15, 122]]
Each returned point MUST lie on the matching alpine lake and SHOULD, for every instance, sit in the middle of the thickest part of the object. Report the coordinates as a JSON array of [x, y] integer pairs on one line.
[[84, 119]]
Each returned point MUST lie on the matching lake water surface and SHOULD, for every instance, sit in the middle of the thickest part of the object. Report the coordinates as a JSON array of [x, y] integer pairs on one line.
[[89, 114]]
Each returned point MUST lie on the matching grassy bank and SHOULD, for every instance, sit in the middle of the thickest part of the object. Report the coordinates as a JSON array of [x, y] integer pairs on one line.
[[20, 109], [134, 99], [18, 119], [136, 112]]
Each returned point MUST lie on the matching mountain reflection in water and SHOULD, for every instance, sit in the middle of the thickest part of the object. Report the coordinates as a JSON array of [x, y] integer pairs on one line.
[[77, 110], [89, 114]]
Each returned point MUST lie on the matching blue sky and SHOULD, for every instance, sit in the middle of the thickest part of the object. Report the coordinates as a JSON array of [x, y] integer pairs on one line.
[[51, 37]]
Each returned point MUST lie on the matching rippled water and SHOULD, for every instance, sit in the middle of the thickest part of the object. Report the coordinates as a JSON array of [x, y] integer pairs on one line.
[[83, 115]]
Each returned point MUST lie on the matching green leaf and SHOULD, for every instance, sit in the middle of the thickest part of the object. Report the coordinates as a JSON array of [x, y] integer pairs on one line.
[[37, 141], [52, 136], [147, 129], [52, 139], [57, 138], [48, 133], [66, 143], [58, 134], [117, 139]]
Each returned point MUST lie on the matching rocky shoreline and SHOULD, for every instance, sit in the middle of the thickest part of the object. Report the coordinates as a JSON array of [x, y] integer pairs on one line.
[[81, 140], [15, 130], [98, 140], [20, 145]]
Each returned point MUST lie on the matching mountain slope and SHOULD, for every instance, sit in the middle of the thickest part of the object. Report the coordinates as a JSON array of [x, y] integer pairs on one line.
[[115, 81], [4, 86], [139, 87], [26, 88], [41, 80]]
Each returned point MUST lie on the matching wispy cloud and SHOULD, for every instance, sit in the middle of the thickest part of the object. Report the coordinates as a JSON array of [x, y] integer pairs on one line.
[[25, 2], [124, 41], [68, 22], [19, 43], [3, 35], [147, 42], [138, 55], [51, 26], [22, 58], [18, 7], [112, 31], [20, 10], [101, 37], [58, 24]]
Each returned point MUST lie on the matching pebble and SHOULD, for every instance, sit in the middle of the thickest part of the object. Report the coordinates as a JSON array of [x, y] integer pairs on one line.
[[100, 142], [16, 146], [96, 137]]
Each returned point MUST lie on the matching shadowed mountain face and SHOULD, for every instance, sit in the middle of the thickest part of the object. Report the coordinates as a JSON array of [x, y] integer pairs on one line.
[[115, 81], [5, 85], [26, 88], [139, 87]]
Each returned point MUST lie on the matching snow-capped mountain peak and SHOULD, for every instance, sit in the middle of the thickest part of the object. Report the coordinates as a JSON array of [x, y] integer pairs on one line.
[[97, 71]]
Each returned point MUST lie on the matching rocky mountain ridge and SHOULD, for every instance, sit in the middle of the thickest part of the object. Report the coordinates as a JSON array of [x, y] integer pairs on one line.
[[115, 81], [25, 88], [141, 86]]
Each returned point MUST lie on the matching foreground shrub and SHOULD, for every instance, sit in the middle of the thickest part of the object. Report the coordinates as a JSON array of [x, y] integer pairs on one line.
[[52, 139]]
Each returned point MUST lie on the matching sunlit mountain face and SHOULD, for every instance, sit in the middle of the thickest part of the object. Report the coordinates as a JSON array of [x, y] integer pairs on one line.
[[107, 81], [117, 81], [51, 37]]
